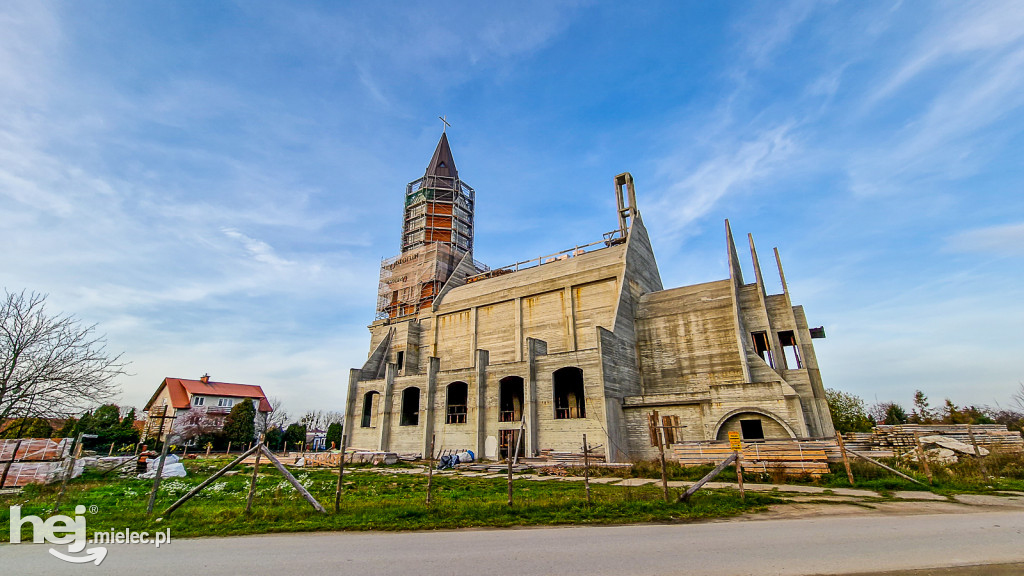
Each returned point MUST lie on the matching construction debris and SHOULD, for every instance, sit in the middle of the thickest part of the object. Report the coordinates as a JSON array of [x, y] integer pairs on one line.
[[35, 461]]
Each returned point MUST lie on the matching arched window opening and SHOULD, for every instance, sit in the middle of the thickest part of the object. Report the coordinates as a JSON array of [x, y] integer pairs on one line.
[[510, 401], [457, 401], [370, 404], [410, 407], [570, 400]]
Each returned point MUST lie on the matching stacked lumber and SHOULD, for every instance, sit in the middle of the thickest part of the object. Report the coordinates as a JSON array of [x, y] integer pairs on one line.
[[791, 457], [902, 437], [549, 457], [37, 460]]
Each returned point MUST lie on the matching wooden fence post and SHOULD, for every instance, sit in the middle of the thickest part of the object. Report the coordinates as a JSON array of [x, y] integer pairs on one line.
[[739, 473], [977, 452], [586, 467], [846, 459], [658, 432], [255, 471], [7, 467], [430, 470], [922, 456], [75, 453], [159, 472], [229, 447], [341, 473], [510, 478]]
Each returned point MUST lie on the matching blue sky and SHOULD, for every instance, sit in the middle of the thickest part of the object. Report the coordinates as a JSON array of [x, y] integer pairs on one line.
[[215, 183]]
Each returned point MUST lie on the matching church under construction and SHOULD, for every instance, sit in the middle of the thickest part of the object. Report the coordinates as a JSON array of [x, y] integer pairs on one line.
[[584, 341]]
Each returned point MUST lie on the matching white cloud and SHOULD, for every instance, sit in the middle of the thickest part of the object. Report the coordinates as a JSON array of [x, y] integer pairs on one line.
[[1007, 239], [693, 190]]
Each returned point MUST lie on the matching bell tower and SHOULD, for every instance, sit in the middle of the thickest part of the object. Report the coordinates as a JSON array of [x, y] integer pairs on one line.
[[437, 233]]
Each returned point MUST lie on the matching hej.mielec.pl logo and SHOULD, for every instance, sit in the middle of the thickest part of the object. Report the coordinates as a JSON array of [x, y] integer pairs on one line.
[[62, 530]]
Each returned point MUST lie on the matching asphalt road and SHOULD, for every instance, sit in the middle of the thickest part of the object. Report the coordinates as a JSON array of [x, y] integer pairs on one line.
[[824, 545]]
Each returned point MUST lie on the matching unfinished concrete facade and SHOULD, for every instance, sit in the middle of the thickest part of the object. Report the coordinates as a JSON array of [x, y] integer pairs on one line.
[[587, 341]]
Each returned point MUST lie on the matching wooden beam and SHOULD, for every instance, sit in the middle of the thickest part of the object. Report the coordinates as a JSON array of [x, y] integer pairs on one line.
[[877, 463], [207, 482], [685, 496], [291, 479]]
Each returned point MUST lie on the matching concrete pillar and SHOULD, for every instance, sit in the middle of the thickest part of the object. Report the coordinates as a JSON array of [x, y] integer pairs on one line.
[[482, 360], [350, 403], [433, 366], [518, 321], [472, 335], [570, 318], [384, 415], [534, 348]]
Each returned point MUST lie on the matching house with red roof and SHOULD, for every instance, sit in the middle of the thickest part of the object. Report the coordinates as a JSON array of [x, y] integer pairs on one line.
[[180, 397]]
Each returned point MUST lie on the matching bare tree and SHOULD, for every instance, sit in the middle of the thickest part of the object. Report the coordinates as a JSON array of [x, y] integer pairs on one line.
[[1018, 397], [195, 423], [279, 417], [321, 419], [51, 366]]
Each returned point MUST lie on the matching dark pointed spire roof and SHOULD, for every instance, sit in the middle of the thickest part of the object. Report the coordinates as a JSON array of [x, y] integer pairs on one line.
[[442, 164]]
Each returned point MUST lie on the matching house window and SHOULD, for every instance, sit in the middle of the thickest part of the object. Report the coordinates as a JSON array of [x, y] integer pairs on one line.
[[510, 399], [763, 349], [457, 400], [370, 400], [410, 407], [198, 400], [790, 350], [400, 360], [751, 429], [225, 402], [569, 396]]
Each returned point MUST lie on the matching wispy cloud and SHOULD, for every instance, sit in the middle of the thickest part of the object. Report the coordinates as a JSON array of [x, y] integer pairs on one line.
[[1007, 239], [969, 28], [693, 190]]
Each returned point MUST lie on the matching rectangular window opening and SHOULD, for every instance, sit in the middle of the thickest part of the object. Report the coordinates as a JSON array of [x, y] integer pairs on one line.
[[751, 430], [763, 348], [400, 359], [790, 350]]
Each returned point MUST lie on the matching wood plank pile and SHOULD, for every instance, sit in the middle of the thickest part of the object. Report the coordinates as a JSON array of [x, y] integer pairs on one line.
[[791, 457], [550, 457], [495, 468], [902, 437], [37, 461]]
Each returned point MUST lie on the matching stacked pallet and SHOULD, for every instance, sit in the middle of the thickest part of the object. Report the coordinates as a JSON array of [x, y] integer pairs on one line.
[[35, 460], [791, 457]]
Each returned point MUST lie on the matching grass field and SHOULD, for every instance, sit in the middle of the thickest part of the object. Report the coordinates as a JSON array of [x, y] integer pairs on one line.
[[371, 500], [391, 500]]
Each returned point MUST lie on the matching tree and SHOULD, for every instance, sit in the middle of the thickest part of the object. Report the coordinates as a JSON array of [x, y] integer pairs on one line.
[[108, 427], [295, 434], [240, 425], [953, 414], [888, 413], [279, 417], [848, 411], [27, 428], [922, 414], [51, 365], [195, 424], [1018, 397], [274, 438], [321, 419], [68, 429], [334, 435]]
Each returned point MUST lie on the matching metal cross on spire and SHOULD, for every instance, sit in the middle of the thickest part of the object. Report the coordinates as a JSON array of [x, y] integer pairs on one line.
[[446, 124]]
